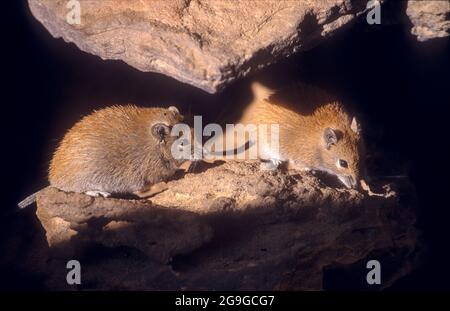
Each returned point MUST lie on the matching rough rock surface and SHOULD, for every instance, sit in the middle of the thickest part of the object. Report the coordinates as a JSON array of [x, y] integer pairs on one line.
[[207, 44], [431, 19], [230, 227]]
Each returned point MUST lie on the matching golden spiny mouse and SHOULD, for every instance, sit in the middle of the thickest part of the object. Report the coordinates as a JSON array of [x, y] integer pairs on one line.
[[115, 150], [315, 132]]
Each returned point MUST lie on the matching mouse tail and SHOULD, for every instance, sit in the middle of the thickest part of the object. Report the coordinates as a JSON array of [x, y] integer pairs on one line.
[[29, 199], [230, 154]]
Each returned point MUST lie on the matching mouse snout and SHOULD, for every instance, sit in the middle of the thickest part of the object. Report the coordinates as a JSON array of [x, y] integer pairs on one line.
[[348, 180]]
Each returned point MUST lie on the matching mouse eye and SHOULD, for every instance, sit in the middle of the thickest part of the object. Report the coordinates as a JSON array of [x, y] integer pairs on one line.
[[343, 163]]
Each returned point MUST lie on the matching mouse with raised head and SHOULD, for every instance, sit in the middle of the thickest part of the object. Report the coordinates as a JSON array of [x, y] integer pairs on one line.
[[116, 150], [315, 132]]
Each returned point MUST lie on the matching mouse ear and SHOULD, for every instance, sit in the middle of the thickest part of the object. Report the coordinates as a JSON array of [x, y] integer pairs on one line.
[[355, 127], [174, 109], [160, 131], [329, 137]]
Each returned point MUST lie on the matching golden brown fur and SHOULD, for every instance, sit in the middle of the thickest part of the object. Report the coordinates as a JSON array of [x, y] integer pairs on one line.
[[113, 150], [303, 114]]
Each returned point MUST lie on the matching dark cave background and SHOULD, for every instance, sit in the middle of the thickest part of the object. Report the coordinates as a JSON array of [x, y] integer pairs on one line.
[[397, 86]]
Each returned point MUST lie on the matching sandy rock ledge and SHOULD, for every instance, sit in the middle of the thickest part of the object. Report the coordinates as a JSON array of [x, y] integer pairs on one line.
[[430, 19], [231, 227], [207, 44], [210, 44]]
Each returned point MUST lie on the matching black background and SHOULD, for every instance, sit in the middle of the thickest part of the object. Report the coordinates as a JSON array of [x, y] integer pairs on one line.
[[398, 86]]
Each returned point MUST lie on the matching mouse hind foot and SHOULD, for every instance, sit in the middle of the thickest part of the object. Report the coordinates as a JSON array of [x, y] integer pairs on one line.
[[95, 193], [153, 190]]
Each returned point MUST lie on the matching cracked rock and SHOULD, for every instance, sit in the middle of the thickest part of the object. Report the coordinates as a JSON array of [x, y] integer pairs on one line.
[[208, 44], [231, 227], [430, 19]]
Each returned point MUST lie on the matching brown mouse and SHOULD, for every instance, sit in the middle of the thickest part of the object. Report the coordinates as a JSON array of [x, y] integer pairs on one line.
[[315, 132], [116, 150]]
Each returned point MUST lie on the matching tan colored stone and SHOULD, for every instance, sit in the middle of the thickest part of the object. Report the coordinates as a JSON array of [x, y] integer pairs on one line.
[[234, 227], [208, 44], [431, 19]]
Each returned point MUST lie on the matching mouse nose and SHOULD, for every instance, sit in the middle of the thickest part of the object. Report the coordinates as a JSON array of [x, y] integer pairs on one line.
[[348, 181]]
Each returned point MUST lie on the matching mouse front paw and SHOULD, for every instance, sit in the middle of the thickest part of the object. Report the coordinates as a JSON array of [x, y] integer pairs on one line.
[[270, 165]]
